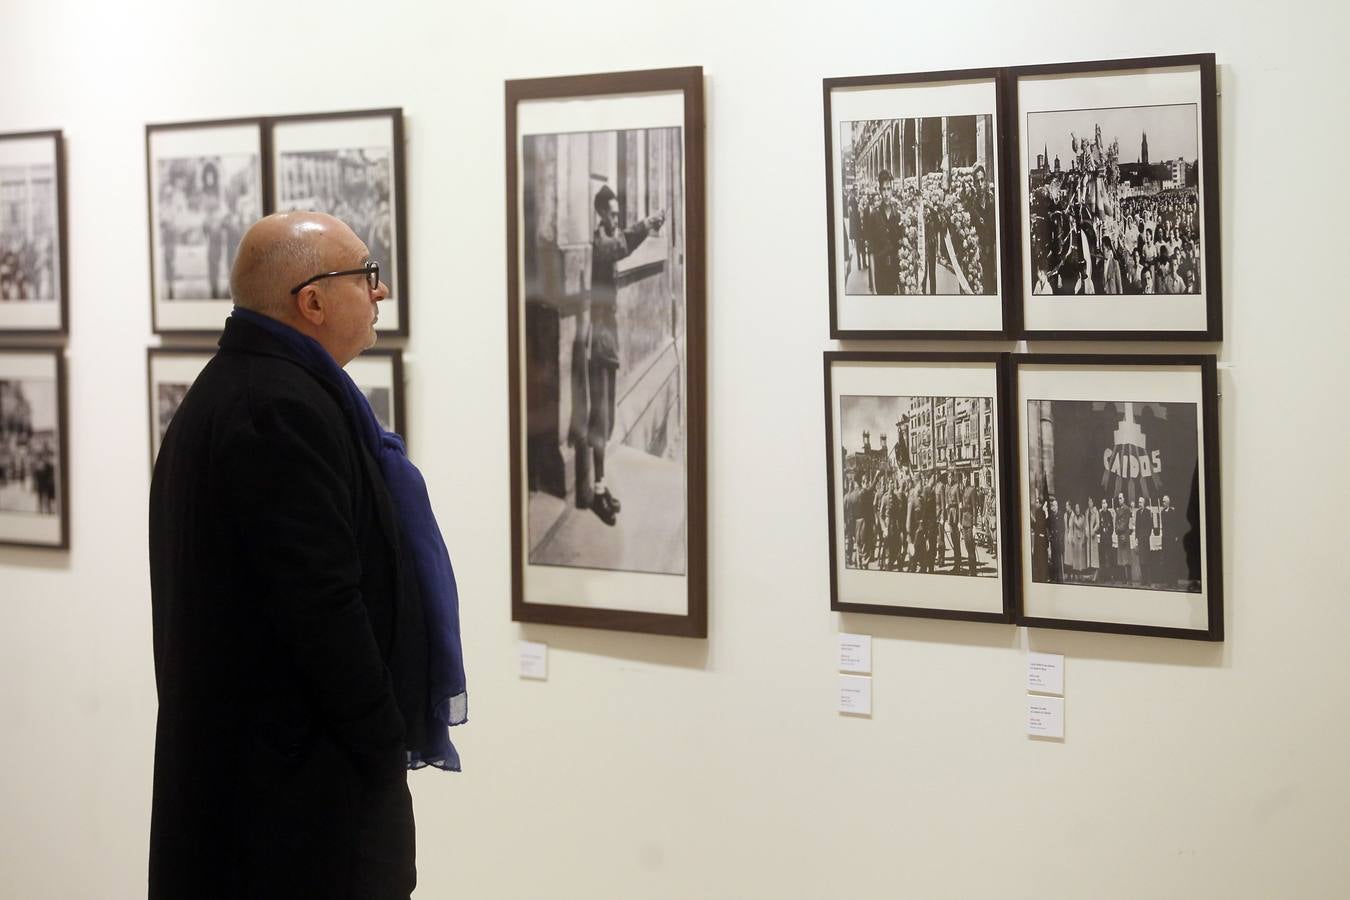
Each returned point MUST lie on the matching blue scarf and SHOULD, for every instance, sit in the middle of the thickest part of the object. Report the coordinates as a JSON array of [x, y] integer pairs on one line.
[[446, 691]]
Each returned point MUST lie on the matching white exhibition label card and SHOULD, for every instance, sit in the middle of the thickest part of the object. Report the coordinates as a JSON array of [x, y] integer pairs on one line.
[[1045, 673], [855, 653], [855, 694], [1045, 716], [533, 660]]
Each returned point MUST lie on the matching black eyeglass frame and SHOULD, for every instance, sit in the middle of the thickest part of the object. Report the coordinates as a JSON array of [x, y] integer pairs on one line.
[[371, 270]]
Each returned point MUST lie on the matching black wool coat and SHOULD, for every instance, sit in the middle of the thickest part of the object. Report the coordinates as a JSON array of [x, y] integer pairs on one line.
[[290, 647]]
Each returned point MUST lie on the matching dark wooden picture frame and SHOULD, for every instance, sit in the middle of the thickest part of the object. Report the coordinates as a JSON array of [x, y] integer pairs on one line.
[[1207, 462], [201, 324], [1210, 271], [692, 621], [60, 264], [391, 357], [62, 421], [1007, 572], [398, 193], [1002, 192]]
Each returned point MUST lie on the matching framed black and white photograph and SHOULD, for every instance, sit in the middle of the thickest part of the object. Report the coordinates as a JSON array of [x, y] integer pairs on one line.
[[34, 497], [379, 375], [350, 165], [917, 476], [605, 207], [914, 201], [206, 187], [1117, 167], [172, 370], [1118, 494], [32, 234]]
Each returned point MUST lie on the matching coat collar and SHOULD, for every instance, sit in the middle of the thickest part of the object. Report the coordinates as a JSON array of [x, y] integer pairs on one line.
[[243, 336]]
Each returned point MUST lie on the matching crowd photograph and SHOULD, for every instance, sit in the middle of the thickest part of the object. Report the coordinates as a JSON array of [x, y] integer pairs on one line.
[[1114, 201], [29, 255], [204, 205], [920, 499], [1114, 494], [29, 449], [919, 204], [355, 185]]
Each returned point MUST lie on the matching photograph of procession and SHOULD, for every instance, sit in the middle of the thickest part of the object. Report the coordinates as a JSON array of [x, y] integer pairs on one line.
[[30, 447], [1114, 197], [604, 349], [919, 208], [1114, 494], [204, 203], [919, 489]]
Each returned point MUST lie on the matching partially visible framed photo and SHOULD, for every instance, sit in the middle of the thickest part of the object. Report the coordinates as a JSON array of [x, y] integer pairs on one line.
[[1117, 165], [1118, 494], [34, 482], [379, 375], [32, 234], [917, 479], [605, 247], [172, 370], [206, 183], [914, 201], [350, 165]]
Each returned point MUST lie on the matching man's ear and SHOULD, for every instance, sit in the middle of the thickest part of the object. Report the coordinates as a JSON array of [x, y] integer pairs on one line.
[[309, 306]]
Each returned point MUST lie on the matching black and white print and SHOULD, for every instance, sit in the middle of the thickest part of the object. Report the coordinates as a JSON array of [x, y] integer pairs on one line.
[[919, 207], [30, 447], [1115, 200], [604, 349], [353, 184], [204, 205], [1114, 494], [919, 484], [30, 262]]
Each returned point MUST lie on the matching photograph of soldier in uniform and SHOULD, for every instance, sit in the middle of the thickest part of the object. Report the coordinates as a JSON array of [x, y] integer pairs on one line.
[[919, 484], [1115, 200], [605, 378], [353, 184], [204, 205], [30, 460], [920, 215], [30, 269], [1115, 494]]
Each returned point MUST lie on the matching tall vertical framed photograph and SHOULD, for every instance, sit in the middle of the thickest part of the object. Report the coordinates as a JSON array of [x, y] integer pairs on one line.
[[32, 234], [917, 476], [350, 165], [605, 316], [206, 183], [170, 371], [915, 196], [1117, 167], [34, 479], [1118, 494]]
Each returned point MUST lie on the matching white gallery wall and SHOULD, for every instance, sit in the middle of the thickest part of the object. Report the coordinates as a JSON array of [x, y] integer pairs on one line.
[[652, 767]]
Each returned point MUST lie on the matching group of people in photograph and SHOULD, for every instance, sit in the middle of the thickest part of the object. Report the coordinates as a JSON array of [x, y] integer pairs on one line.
[[200, 222], [1094, 231], [359, 195], [1123, 544], [27, 473], [27, 267], [938, 521], [881, 236]]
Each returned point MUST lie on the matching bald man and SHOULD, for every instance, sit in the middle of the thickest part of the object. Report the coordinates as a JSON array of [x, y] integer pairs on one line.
[[290, 636]]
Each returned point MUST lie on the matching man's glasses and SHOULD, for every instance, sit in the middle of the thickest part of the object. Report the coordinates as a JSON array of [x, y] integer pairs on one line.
[[371, 270]]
